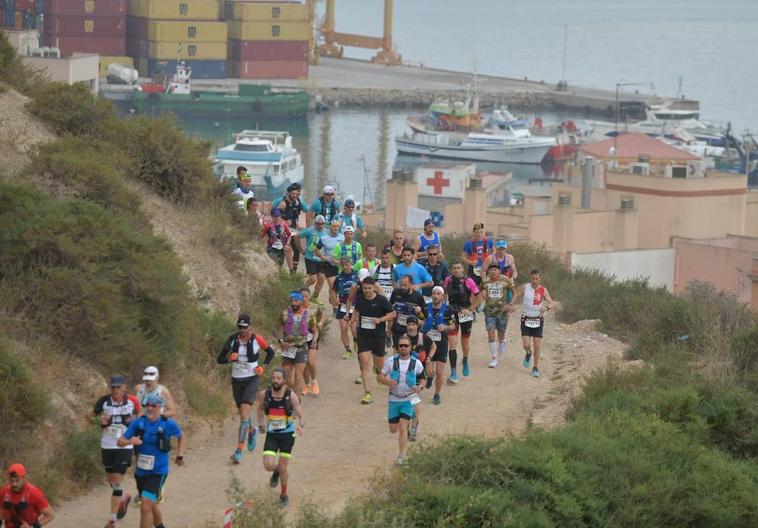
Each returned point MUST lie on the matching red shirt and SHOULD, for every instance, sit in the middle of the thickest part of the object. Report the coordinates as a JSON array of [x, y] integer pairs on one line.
[[31, 496]]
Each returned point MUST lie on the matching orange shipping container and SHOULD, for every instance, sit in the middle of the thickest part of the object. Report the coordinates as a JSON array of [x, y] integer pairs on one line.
[[269, 69]]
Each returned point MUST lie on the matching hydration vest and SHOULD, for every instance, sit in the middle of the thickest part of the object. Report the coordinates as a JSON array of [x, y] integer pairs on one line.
[[268, 401], [353, 254], [289, 326], [276, 232], [410, 375], [292, 211], [332, 209], [437, 276], [457, 293], [163, 442], [234, 343], [431, 320]]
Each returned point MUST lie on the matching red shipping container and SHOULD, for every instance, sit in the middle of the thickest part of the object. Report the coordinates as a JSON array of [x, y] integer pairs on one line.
[[112, 46], [269, 69], [24, 5], [137, 27], [268, 50], [137, 47], [95, 26], [85, 7]]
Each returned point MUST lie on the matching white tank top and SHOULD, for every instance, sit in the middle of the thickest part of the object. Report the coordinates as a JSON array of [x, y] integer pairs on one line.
[[533, 299], [143, 393]]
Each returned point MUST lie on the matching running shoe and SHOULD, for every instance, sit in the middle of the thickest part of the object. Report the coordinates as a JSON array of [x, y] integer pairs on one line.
[[412, 432], [274, 481], [347, 354], [284, 501], [453, 379], [236, 456], [122, 507], [161, 497], [252, 437], [367, 398], [110, 524], [358, 381], [306, 390], [535, 372], [315, 389], [400, 461], [493, 363], [527, 360], [466, 370], [429, 382], [437, 400]]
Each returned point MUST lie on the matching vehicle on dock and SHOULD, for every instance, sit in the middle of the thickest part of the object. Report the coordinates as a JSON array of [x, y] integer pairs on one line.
[[269, 157], [176, 95]]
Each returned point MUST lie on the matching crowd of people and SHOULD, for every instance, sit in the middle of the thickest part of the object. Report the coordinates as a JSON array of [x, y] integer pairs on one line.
[[402, 311]]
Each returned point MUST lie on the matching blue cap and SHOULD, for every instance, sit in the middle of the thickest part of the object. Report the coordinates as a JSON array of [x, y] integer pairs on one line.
[[117, 380], [276, 212], [296, 295], [349, 202], [428, 221], [154, 399], [501, 243]]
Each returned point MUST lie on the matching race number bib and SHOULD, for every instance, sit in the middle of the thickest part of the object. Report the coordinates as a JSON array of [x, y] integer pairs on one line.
[[427, 300], [402, 319], [465, 317], [387, 291], [478, 271], [146, 462], [290, 353], [434, 335], [278, 245], [495, 292], [114, 431], [367, 323], [532, 322], [414, 399], [294, 231], [276, 423], [309, 337], [243, 367], [343, 308]]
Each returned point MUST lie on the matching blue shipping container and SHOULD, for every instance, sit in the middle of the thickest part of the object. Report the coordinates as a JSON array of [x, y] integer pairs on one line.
[[201, 69], [39, 6]]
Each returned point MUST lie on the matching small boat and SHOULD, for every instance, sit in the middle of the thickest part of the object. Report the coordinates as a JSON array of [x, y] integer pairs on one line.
[[269, 158]]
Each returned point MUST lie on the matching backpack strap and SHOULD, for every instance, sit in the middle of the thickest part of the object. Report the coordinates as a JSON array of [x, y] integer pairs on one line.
[[287, 401]]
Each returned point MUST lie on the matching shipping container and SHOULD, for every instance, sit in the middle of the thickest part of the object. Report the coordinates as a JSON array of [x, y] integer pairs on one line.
[[263, 11], [181, 30], [101, 45], [270, 30], [176, 9], [141, 65], [106, 61], [96, 26], [22, 6], [201, 69], [256, 50], [187, 50], [137, 47], [137, 27], [269, 69], [85, 7]]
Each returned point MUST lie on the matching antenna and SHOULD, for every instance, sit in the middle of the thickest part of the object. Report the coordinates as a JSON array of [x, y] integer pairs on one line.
[[565, 47], [366, 185]]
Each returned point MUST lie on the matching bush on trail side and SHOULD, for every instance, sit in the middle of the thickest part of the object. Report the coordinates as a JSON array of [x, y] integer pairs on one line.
[[72, 109], [14, 73]]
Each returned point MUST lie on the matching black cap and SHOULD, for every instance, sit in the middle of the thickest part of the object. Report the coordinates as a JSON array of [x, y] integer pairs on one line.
[[117, 380], [349, 202], [243, 320], [411, 319], [294, 187]]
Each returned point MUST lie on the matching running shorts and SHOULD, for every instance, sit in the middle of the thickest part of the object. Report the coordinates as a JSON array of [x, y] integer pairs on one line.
[[245, 390], [116, 460], [301, 357], [372, 343], [281, 443], [496, 322], [397, 410], [441, 353], [150, 487], [312, 267], [329, 269], [527, 331], [277, 255], [465, 328]]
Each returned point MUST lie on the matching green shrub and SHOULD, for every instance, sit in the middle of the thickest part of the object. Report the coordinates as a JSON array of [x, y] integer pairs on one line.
[[79, 456], [14, 72], [72, 109], [268, 302], [744, 349]]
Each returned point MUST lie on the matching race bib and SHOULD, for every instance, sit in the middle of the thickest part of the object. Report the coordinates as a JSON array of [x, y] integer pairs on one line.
[[309, 337], [427, 300], [146, 462], [387, 291], [278, 245], [276, 424], [243, 367], [114, 431], [478, 271], [496, 293], [343, 308], [434, 335], [367, 323], [465, 318], [294, 231], [532, 322], [414, 399], [290, 353], [402, 319]]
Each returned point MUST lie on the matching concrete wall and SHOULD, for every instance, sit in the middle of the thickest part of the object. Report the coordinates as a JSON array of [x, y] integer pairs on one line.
[[77, 68], [751, 214], [655, 264]]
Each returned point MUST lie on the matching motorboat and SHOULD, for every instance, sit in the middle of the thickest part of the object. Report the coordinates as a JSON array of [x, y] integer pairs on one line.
[[269, 157]]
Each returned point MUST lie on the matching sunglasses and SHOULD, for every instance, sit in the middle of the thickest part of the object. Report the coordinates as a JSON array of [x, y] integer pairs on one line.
[[432, 254], [152, 405], [349, 207], [329, 194], [403, 346]]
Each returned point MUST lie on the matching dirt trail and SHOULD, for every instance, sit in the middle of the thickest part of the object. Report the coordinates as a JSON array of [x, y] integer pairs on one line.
[[345, 442]]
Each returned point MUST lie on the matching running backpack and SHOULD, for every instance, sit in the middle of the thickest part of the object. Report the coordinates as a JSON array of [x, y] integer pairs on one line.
[[410, 375], [353, 254], [332, 209], [431, 320], [163, 442], [268, 399], [289, 326], [457, 292], [292, 210]]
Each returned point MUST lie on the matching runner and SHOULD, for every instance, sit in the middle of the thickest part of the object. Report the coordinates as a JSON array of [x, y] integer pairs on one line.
[[114, 412], [400, 374], [396, 246], [348, 247], [325, 248], [151, 435], [325, 205], [295, 325], [504, 260], [384, 274], [496, 298], [428, 238], [242, 350], [372, 311], [310, 238], [419, 276], [243, 187], [422, 348], [316, 308], [475, 251], [369, 261], [23, 504], [349, 218], [438, 322], [405, 302], [339, 296], [292, 206], [277, 236], [251, 209], [463, 298], [436, 269], [151, 386], [536, 301], [276, 407]]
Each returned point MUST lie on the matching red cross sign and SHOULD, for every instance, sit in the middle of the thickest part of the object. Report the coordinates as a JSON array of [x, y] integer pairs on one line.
[[438, 182]]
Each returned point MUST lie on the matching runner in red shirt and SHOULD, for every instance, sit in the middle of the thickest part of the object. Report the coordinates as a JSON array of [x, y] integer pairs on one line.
[[23, 505]]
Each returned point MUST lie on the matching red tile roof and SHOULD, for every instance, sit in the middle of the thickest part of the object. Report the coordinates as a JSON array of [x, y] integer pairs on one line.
[[634, 145]]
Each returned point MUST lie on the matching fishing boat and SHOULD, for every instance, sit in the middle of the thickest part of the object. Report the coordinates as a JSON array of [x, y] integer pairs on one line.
[[176, 95], [269, 157]]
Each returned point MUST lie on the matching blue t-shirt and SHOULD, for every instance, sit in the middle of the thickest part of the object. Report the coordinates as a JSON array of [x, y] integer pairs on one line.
[[425, 243], [329, 210], [327, 243], [343, 282], [415, 270], [150, 459], [479, 252], [312, 236], [347, 220]]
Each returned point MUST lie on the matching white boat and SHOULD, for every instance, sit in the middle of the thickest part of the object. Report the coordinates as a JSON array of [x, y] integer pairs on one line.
[[503, 147], [269, 158]]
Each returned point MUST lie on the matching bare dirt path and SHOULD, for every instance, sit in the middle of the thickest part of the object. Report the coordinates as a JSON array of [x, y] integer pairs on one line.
[[345, 442]]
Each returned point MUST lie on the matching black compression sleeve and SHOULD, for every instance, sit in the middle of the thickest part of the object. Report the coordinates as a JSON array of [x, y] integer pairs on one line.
[[223, 356], [269, 356]]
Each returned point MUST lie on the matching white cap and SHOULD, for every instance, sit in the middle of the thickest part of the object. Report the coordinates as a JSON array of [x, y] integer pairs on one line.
[[362, 274], [150, 374], [349, 229], [328, 189], [438, 289], [319, 218]]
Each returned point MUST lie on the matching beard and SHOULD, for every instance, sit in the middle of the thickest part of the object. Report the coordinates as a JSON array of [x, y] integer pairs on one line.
[[277, 386]]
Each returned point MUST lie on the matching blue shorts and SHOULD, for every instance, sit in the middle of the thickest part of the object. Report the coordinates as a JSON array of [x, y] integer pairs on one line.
[[496, 322], [397, 410]]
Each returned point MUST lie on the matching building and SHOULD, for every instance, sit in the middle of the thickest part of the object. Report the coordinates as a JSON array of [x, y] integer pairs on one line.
[[78, 68], [632, 148]]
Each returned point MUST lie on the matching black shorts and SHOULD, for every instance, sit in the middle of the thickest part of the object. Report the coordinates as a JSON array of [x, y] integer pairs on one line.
[[312, 267], [277, 255], [245, 390], [150, 486], [281, 443], [532, 332], [441, 353], [329, 269], [372, 343], [300, 357], [116, 460], [463, 328], [312, 345]]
